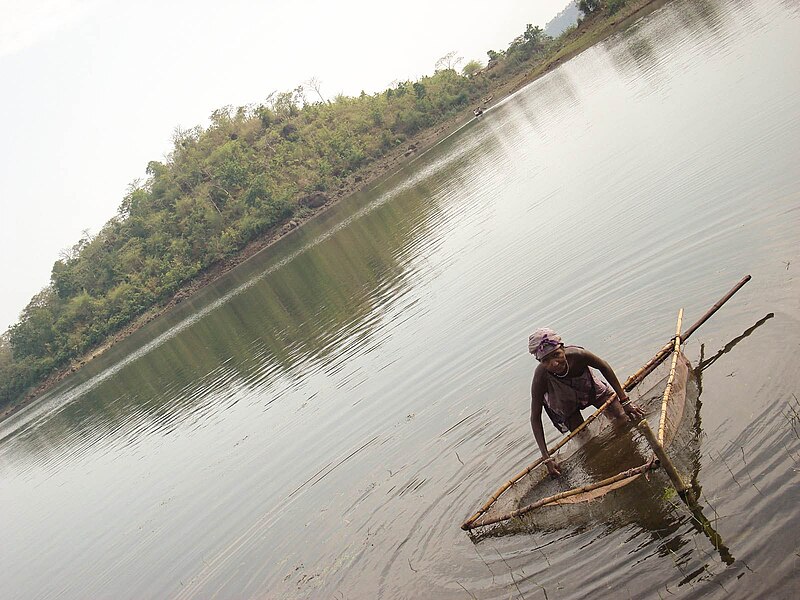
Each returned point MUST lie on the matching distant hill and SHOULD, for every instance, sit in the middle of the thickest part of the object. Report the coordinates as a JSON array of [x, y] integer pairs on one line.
[[566, 18]]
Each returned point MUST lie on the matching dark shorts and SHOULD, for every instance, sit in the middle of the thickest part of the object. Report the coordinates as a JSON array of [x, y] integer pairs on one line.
[[560, 422]]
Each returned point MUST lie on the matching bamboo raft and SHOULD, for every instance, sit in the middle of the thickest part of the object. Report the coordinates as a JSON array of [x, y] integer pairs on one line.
[[532, 489]]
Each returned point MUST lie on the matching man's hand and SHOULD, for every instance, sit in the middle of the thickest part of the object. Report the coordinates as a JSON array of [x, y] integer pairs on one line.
[[633, 411], [552, 468]]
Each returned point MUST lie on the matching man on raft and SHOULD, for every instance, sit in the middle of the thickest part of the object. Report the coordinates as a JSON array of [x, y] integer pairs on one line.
[[563, 385]]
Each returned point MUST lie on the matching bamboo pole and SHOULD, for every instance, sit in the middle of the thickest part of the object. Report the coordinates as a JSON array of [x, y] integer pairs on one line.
[[466, 525], [629, 384], [670, 380], [716, 307], [662, 456], [572, 492], [661, 354]]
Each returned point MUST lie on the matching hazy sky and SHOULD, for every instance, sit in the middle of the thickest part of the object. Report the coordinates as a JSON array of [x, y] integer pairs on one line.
[[93, 90]]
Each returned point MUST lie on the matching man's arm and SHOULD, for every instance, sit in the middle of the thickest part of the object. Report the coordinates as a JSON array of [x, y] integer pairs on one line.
[[598, 363], [537, 402]]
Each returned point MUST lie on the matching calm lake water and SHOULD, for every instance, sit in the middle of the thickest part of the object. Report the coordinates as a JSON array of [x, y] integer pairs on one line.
[[319, 423]]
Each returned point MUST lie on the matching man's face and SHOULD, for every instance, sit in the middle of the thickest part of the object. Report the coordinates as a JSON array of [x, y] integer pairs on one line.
[[555, 362]]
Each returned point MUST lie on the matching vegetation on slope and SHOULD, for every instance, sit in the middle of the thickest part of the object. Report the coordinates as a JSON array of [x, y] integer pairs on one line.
[[250, 171]]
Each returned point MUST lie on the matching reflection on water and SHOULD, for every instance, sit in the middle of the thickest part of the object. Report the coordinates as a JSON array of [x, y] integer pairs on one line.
[[320, 422]]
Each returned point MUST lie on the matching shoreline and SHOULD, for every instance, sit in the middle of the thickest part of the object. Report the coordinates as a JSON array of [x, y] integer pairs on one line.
[[366, 177]]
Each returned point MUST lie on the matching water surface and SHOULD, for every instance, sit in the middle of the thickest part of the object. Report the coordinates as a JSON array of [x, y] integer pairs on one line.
[[320, 422]]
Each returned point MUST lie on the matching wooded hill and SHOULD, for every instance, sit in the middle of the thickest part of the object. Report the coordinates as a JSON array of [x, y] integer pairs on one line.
[[250, 171]]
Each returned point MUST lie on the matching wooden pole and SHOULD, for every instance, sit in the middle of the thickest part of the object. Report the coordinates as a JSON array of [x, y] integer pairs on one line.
[[670, 380], [664, 460], [715, 308], [493, 498], [568, 493], [629, 384], [661, 354]]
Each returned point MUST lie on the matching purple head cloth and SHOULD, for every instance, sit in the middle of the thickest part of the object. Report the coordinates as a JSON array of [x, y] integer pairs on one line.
[[543, 341]]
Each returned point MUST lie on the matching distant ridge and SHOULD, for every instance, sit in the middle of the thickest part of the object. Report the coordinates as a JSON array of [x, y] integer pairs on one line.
[[566, 18]]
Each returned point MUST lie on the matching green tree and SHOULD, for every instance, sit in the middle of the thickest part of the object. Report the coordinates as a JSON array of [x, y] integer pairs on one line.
[[587, 7], [533, 35], [471, 68], [33, 334], [615, 6]]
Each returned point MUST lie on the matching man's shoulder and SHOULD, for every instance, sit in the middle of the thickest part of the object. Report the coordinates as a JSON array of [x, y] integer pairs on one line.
[[576, 351], [578, 356]]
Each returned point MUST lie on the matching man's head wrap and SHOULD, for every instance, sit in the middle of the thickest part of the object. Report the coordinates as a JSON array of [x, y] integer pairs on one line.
[[543, 341]]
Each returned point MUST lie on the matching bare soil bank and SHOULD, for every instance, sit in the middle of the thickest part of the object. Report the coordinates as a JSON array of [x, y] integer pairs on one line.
[[588, 34]]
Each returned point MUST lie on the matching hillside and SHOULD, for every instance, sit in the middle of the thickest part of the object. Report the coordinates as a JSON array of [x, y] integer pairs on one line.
[[563, 20]]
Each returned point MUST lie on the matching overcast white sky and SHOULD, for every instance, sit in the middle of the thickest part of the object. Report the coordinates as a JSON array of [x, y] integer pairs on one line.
[[93, 89]]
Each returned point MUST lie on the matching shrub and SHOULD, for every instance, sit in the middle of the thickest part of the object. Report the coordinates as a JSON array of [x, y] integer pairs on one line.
[[615, 5]]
